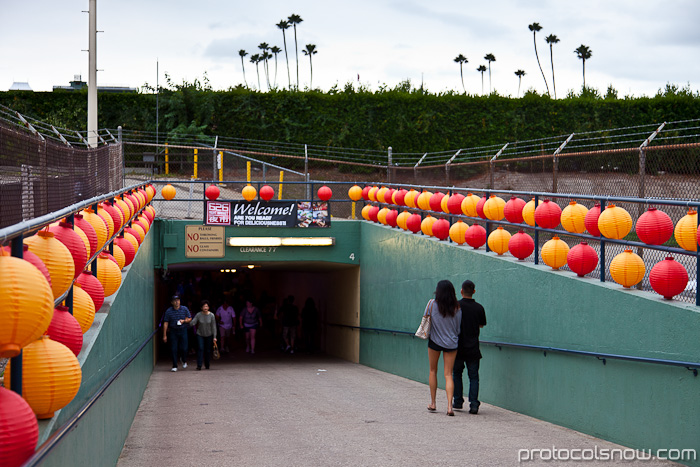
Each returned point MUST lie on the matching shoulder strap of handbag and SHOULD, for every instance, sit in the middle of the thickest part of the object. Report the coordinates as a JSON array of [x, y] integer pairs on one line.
[[430, 306]]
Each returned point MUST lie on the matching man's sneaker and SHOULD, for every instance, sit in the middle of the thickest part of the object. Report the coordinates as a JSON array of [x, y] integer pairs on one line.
[[457, 406], [184, 365], [474, 409], [173, 368]]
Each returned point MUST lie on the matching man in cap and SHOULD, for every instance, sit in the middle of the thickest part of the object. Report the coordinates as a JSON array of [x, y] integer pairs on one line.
[[175, 328]]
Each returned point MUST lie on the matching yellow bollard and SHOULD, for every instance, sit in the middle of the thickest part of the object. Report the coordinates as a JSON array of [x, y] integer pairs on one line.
[[167, 166], [353, 209], [194, 175], [279, 189], [221, 166], [247, 165]]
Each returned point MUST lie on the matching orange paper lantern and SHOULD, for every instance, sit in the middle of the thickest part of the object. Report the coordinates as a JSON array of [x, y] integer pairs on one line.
[[469, 205], [573, 217], [493, 208], [372, 193], [427, 225], [249, 192], [402, 218], [380, 194], [168, 192], [498, 239], [443, 204], [410, 198], [457, 232], [554, 252], [119, 255], [108, 274], [685, 232], [84, 304], [131, 238], [19, 429], [614, 222], [381, 215], [98, 224], [627, 269], [57, 259], [365, 211], [423, 200], [528, 212], [354, 193], [107, 219]]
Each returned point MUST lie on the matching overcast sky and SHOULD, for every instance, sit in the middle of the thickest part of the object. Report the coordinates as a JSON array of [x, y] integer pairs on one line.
[[638, 46]]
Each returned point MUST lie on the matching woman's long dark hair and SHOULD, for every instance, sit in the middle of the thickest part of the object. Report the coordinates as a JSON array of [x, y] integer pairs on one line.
[[446, 298]]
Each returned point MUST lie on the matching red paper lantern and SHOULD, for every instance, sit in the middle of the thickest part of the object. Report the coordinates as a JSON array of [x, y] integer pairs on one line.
[[88, 230], [324, 193], [548, 215], [399, 197], [64, 328], [480, 207], [148, 214], [435, 201], [441, 229], [33, 259], [513, 211], [212, 192], [391, 217], [388, 196], [365, 192], [114, 214], [475, 236], [654, 227], [521, 245], [19, 429], [413, 223], [135, 233], [127, 247], [63, 232], [591, 220], [141, 223], [454, 203], [373, 212], [668, 278], [582, 259], [267, 192], [93, 287]]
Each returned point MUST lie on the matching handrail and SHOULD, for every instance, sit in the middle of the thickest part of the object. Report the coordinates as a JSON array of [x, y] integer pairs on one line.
[[43, 450], [691, 366]]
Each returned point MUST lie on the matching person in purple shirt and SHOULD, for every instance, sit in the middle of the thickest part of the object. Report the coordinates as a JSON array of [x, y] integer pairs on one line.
[[175, 328]]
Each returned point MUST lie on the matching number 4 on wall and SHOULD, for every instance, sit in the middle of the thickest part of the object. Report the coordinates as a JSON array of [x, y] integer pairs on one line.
[[352, 256]]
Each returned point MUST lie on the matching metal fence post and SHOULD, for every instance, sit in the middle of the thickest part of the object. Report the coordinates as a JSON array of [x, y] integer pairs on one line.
[[16, 249], [388, 166], [306, 171], [492, 167], [555, 162], [643, 159], [415, 167], [120, 141], [447, 167]]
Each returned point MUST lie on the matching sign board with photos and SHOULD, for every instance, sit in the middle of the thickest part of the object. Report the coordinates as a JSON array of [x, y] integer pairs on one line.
[[268, 213]]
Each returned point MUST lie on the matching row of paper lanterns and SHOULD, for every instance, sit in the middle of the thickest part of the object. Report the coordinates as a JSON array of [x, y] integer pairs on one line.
[[49, 337], [248, 192]]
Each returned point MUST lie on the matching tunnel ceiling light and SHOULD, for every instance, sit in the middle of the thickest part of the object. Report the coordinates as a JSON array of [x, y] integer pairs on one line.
[[233, 270], [251, 266], [308, 241], [280, 241], [254, 241]]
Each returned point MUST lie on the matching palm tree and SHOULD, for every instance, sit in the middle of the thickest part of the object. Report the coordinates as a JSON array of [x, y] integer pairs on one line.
[[534, 27], [461, 59], [284, 25], [275, 50], [310, 50], [489, 58], [584, 53], [294, 20], [482, 69], [551, 40], [256, 60], [243, 53], [519, 74], [264, 46]]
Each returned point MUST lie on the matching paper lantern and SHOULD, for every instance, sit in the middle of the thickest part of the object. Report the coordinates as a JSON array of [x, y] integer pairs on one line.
[[26, 304], [151, 192], [573, 217], [88, 230], [50, 376], [413, 223], [92, 287], [148, 214], [494, 207], [120, 204], [627, 269], [127, 248], [107, 219], [554, 252], [86, 241], [458, 231], [354, 193], [441, 229], [84, 307], [548, 215], [685, 232], [119, 255], [373, 193], [402, 218], [131, 238], [410, 198], [521, 245], [480, 207], [381, 215], [454, 203], [513, 210], [469, 205], [668, 278], [31, 258], [423, 200], [373, 212], [98, 226], [365, 211], [380, 194], [130, 204], [475, 236], [135, 202], [392, 217], [654, 227], [135, 226], [143, 223], [435, 201], [249, 192], [614, 222], [582, 259], [168, 192], [57, 259], [212, 192], [108, 274], [389, 195], [64, 233], [529, 212], [498, 240], [365, 193], [426, 226], [324, 193], [443, 204], [64, 328], [115, 214], [19, 429], [400, 197], [111, 257], [135, 233], [591, 220]]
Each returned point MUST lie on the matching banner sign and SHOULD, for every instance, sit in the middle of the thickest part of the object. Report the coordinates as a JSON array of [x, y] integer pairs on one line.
[[268, 214], [218, 213]]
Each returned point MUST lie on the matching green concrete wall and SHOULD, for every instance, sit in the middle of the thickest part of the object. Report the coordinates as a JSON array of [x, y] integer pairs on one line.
[[644, 406]]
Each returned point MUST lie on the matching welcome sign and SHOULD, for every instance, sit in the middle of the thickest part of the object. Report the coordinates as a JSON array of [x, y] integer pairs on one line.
[[268, 214]]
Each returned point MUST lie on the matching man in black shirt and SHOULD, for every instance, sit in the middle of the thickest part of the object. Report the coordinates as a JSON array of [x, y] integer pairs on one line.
[[468, 353]]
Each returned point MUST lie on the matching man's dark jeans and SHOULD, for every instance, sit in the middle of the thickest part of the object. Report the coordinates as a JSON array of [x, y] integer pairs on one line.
[[178, 344], [473, 374]]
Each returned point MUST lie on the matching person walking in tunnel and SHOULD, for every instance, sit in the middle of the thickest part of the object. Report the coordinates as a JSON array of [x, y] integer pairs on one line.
[[226, 316], [250, 322], [206, 334], [445, 318], [290, 321], [309, 320], [468, 353], [175, 328]]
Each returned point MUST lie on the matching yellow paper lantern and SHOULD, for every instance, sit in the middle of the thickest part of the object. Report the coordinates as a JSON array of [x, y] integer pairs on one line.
[[139, 230], [457, 231], [152, 210], [146, 223], [50, 376], [499, 238], [529, 212], [381, 215], [249, 192], [98, 224], [423, 200], [365, 211], [402, 218], [469, 205], [614, 222], [380, 194], [108, 274], [426, 226], [119, 255], [151, 192], [573, 216], [554, 252], [133, 240], [493, 209], [101, 212], [168, 192], [355, 193], [686, 230], [26, 304], [123, 209], [83, 308], [627, 269], [410, 198], [372, 193], [57, 259], [443, 204]]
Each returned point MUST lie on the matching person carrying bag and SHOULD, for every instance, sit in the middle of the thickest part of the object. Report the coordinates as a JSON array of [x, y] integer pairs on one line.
[[424, 329]]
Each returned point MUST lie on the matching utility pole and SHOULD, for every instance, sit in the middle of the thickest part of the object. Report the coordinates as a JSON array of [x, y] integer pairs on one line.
[[92, 77]]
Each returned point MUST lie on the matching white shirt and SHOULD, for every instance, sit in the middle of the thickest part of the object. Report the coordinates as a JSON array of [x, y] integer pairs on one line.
[[226, 314]]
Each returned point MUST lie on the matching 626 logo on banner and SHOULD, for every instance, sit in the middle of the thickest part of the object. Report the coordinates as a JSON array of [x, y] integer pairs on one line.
[[218, 213]]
